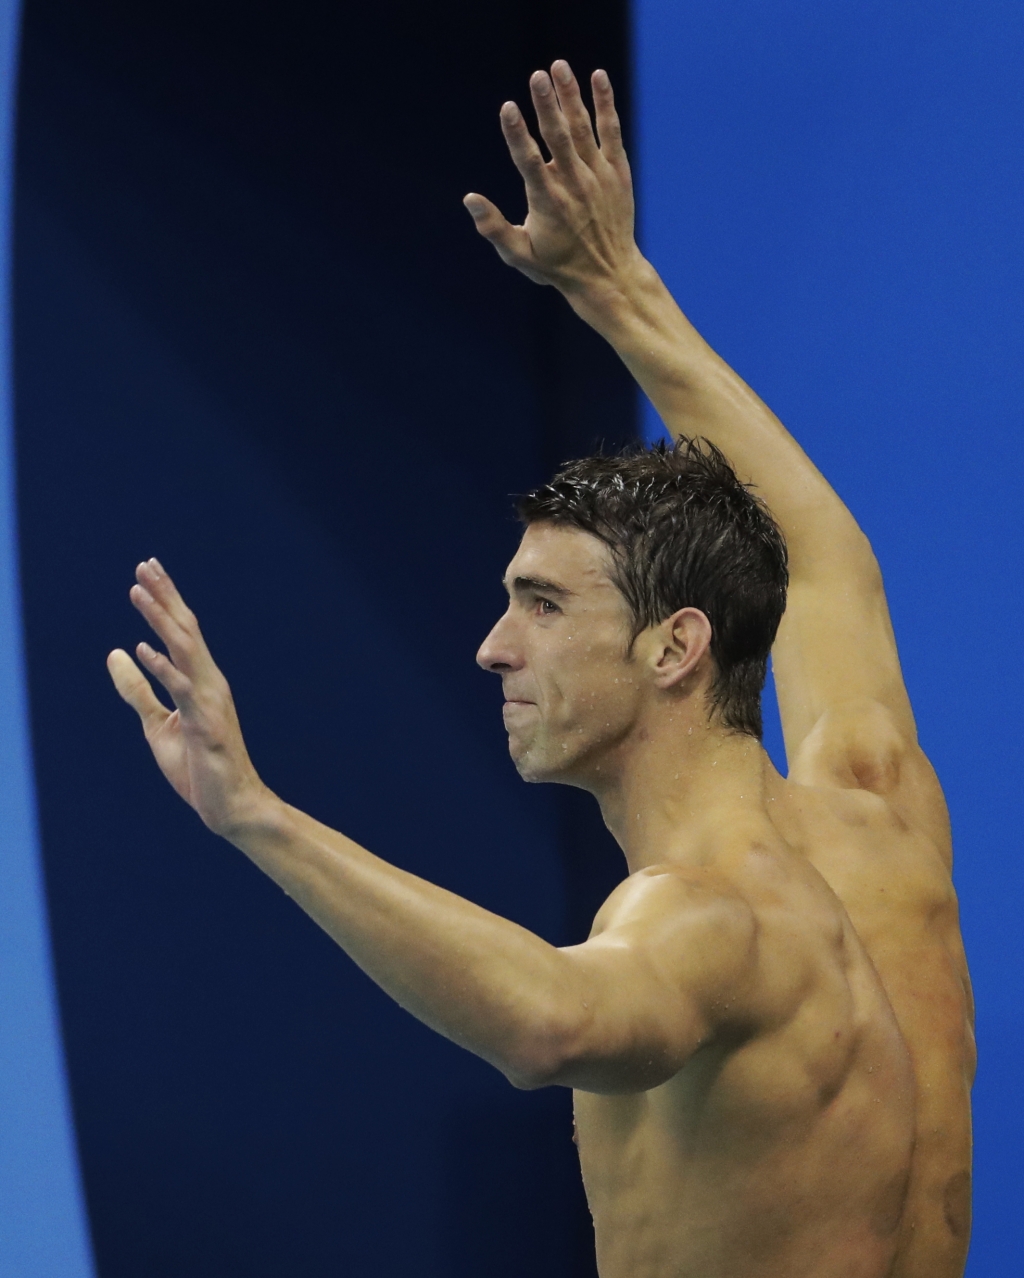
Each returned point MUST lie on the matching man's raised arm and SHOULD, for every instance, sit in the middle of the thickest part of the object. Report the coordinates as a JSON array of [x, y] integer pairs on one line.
[[836, 666]]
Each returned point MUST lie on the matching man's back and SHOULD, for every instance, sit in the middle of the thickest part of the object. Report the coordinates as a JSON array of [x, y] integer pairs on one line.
[[783, 1146], [884, 848]]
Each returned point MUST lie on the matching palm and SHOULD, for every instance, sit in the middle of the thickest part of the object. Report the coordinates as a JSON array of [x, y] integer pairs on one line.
[[170, 750], [579, 224], [198, 746]]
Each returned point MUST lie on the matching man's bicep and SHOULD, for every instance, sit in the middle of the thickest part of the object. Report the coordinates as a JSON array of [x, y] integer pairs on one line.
[[836, 648], [640, 1025]]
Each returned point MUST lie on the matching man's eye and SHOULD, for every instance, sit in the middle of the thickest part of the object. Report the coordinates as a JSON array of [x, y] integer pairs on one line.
[[545, 607]]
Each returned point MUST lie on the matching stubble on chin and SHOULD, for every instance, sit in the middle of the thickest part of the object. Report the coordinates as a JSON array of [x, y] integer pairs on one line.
[[534, 763], [523, 755]]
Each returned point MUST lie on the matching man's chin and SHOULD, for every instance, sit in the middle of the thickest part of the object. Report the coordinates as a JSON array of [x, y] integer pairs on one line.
[[534, 765]]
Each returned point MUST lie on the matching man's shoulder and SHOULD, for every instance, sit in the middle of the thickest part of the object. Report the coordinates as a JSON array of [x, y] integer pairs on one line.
[[667, 892], [754, 900], [750, 863], [689, 923], [751, 939]]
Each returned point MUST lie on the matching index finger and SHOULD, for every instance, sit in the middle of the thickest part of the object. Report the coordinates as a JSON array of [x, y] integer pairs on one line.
[[523, 149]]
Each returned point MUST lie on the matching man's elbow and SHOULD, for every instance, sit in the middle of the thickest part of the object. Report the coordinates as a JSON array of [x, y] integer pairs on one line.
[[527, 1079], [818, 552], [578, 1060]]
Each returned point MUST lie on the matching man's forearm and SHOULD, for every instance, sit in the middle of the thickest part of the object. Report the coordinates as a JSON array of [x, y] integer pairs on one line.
[[697, 393], [480, 980]]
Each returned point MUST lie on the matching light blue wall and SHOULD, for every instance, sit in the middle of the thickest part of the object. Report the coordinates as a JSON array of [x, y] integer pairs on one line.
[[42, 1221], [835, 194]]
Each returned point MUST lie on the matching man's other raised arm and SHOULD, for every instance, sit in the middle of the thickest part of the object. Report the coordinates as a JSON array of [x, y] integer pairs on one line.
[[841, 693], [620, 1013]]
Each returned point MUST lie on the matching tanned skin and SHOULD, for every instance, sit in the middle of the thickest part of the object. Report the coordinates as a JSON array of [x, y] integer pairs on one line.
[[745, 1098], [861, 804], [744, 1095]]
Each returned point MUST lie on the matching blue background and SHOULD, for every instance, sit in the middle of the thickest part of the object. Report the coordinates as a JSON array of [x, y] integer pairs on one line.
[[835, 193], [255, 335]]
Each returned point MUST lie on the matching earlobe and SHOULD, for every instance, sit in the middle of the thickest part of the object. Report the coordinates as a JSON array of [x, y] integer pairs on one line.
[[684, 639]]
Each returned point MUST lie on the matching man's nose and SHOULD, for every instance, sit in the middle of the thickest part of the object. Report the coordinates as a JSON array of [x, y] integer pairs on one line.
[[498, 652]]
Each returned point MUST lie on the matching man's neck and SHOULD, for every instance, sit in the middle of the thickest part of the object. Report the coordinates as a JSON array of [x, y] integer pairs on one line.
[[677, 783]]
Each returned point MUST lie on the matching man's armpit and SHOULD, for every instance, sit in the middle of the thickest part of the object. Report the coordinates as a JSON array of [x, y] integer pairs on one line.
[[854, 746]]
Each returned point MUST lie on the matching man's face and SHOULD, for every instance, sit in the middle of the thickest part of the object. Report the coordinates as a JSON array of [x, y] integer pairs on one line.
[[572, 693]]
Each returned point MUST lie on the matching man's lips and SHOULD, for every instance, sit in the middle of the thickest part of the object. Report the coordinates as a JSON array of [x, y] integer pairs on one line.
[[514, 703]]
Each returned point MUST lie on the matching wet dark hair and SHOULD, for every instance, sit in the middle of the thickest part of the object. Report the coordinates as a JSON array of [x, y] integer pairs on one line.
[[683, 533]]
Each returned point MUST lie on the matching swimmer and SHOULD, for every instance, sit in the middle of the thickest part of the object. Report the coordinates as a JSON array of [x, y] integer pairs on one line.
[[767, 1029]]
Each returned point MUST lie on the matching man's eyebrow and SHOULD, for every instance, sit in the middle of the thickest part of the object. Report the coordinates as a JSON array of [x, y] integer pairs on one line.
[[537, 586]]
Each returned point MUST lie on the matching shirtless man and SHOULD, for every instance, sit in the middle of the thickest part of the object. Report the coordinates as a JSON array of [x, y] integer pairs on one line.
[[862, 803], [745, 1099]]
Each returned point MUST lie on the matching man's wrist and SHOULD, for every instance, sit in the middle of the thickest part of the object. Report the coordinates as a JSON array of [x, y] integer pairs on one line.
[[616, 303], [259, 817]]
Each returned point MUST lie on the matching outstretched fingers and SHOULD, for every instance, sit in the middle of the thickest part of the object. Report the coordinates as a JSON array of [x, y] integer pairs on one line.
[[609, 126], [179, 686], [551, 120], [574, 110], [526, 154], [157, 598]]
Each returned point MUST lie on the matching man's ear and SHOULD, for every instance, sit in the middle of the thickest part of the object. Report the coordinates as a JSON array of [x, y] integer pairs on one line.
[[680, 642]]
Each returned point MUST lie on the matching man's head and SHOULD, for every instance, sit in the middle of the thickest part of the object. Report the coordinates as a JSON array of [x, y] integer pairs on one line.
[[642, 575]]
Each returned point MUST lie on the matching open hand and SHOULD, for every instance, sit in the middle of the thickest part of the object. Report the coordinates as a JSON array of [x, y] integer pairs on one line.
[[578, 231], [198, 746]]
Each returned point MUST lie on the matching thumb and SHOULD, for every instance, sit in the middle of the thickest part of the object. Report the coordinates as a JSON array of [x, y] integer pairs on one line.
[[487, 217], [511, 242], [135, 688]]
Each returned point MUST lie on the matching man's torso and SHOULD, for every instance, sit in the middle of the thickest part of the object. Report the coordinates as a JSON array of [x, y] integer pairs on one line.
[[781, 1151]]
